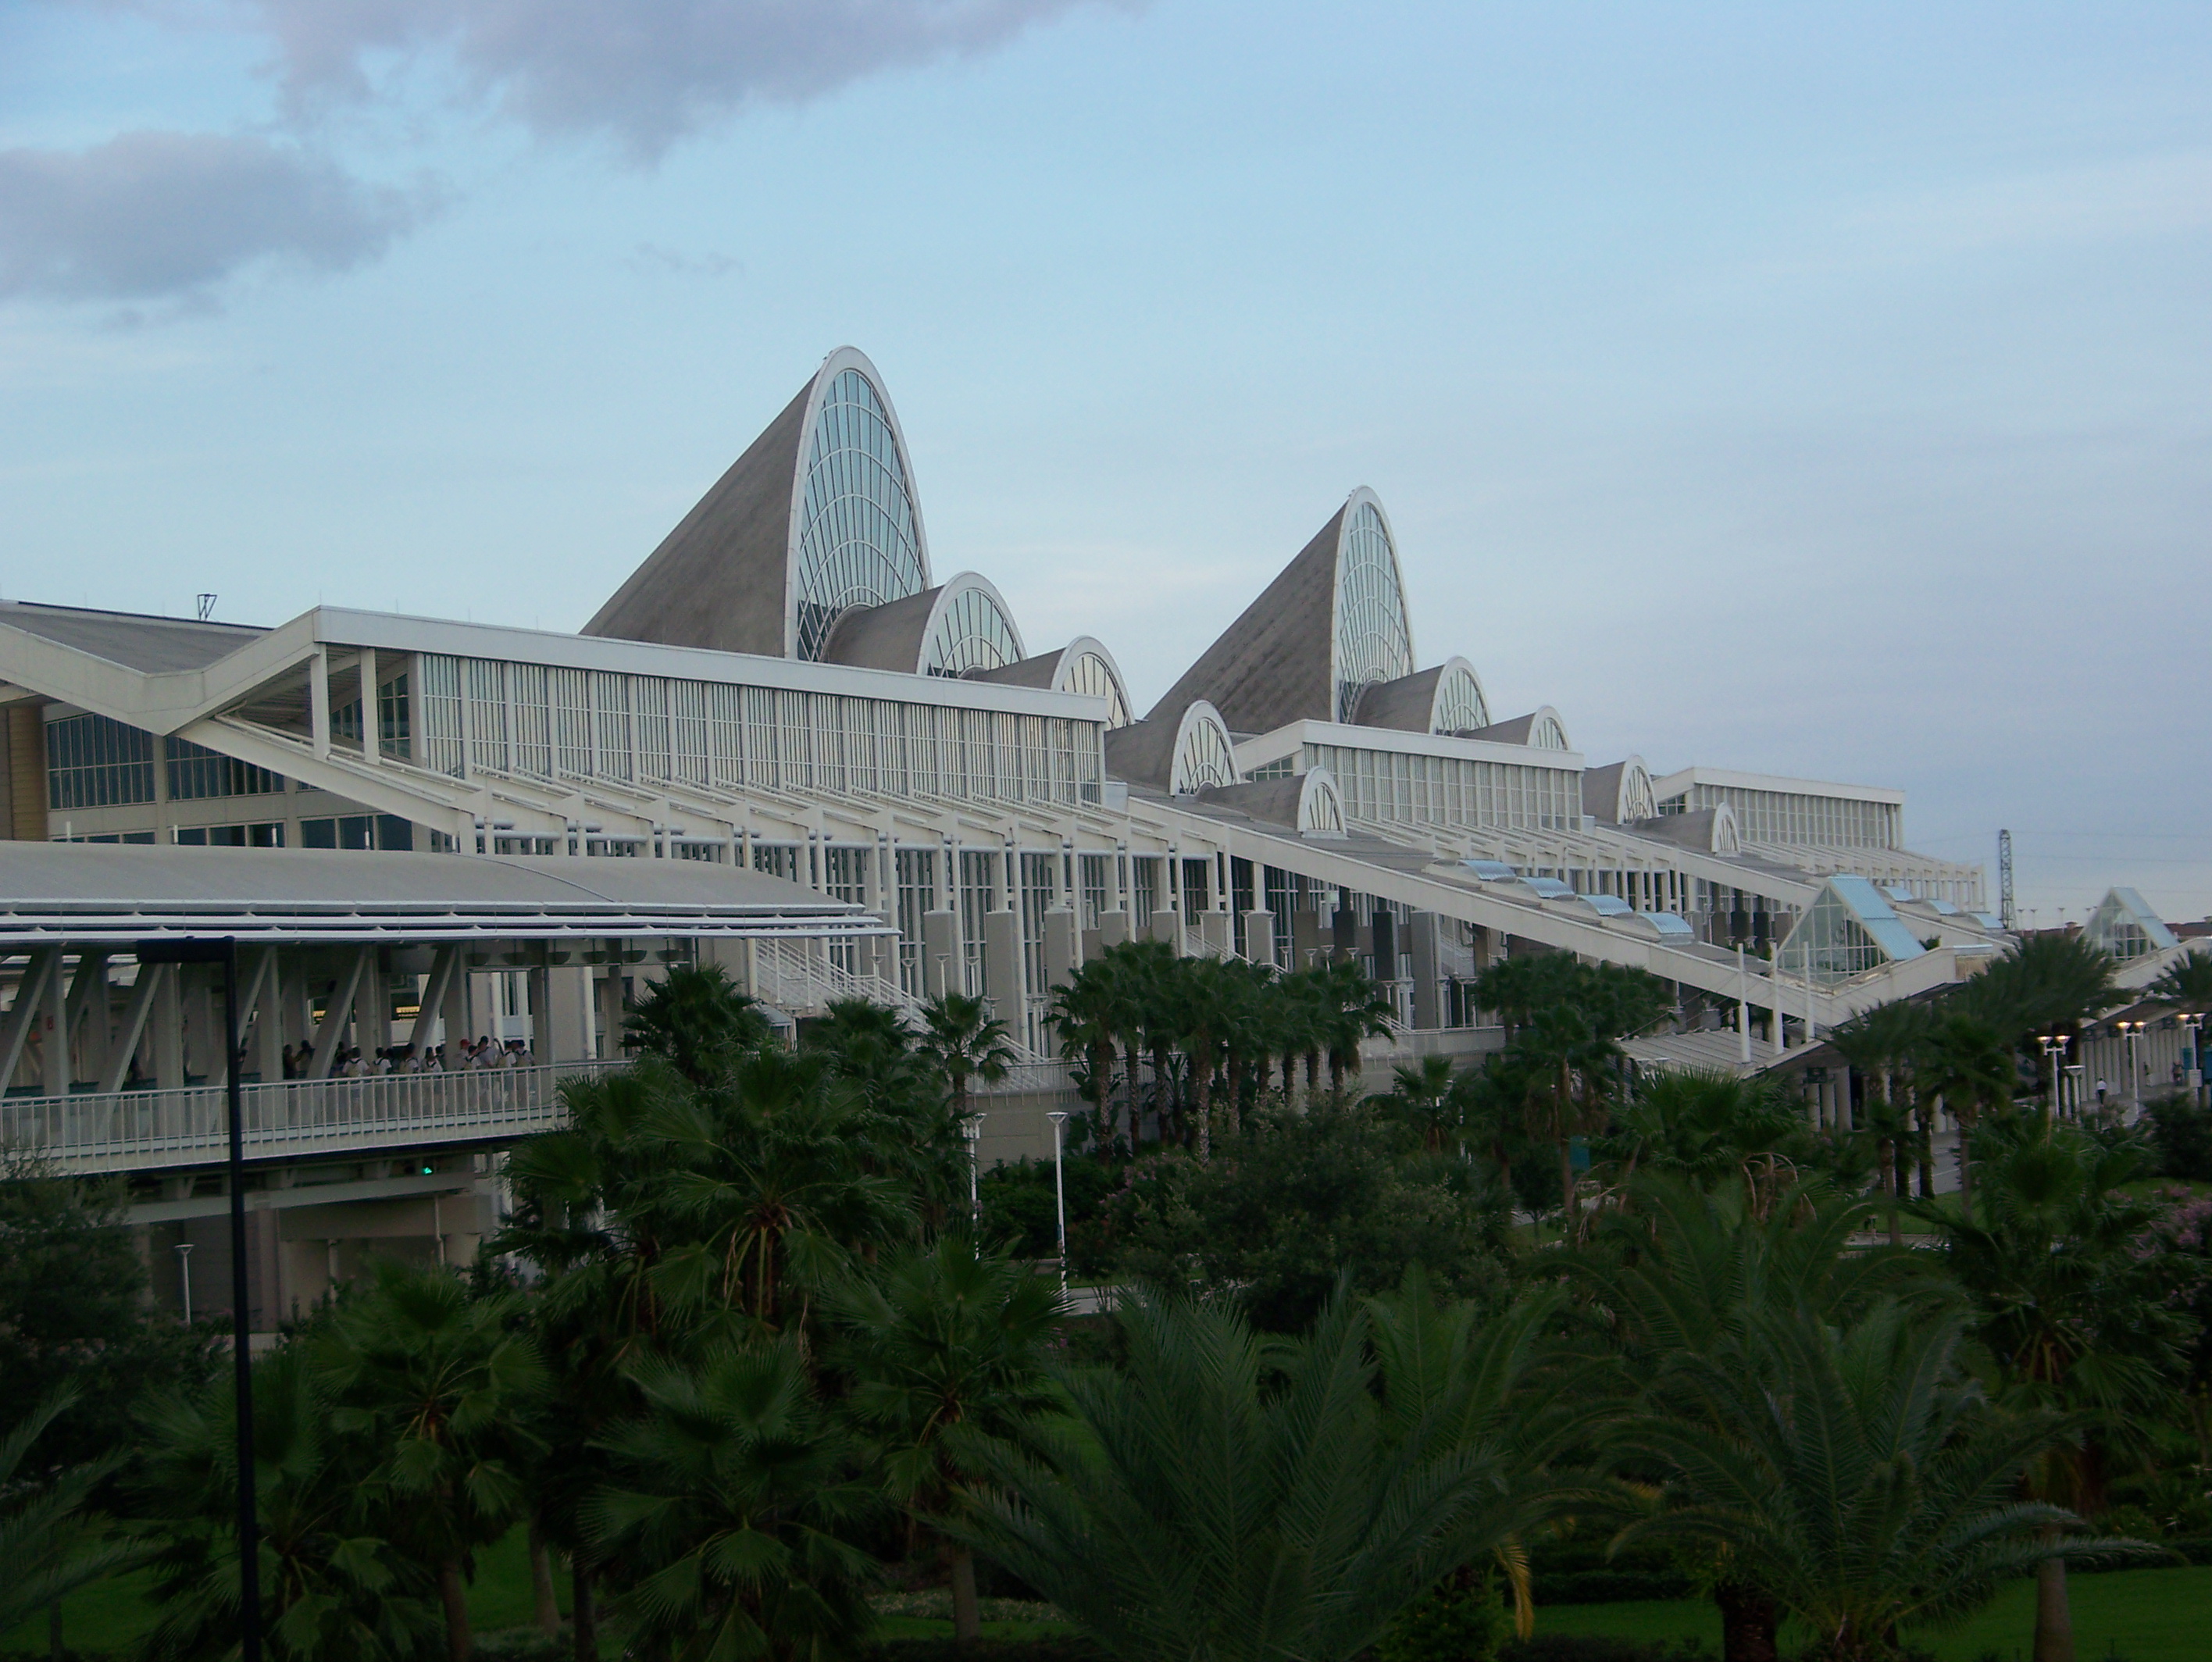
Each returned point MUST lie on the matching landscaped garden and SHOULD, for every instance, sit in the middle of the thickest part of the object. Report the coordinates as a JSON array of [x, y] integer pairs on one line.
[[1534, 1362]]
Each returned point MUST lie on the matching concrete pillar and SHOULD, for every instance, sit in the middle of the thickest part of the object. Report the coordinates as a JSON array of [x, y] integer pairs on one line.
[[1343, 931], [267, 1056], [568, 1025], [1063, 946], [1259, 936], [53, 1032], [1166, 926], [940, 953], [607, 996], [92, 1018], [168, 1027], [1306, 938], [371, 1011], [1421, 940], [1113, 928], [538, 983], [1213, 932], [1003, 967]]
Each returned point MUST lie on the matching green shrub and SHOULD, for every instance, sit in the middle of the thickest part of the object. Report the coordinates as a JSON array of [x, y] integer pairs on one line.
[[1452, 1624]]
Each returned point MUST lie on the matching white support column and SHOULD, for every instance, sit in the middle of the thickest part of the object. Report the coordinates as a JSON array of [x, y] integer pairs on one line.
[[337, 1013], [445, 963], [15, 1033], [370, 748], [319, 701], [168, 1027], [1742, 1008], [269, 1021], [136, 1012], [88, 1012]]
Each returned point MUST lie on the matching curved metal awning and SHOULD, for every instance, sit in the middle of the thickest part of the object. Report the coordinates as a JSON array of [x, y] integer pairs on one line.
[[93, 894]]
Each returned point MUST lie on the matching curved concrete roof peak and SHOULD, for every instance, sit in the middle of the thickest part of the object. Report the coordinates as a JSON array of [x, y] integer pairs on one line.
[[724, 578]]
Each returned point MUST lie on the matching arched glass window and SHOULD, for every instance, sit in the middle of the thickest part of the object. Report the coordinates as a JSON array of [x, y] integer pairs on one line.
[[859, 540], [1087, 672], [1637, 801], [1459, 707], [1372, 641], [1547, 734], [1320, 809], [970, 633], [1204, 756]]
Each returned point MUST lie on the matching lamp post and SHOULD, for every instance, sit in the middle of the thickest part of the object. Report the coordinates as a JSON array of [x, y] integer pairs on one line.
[[185, 1269], [2192, 1023], [2132, 1032], [224, 951], [1059, 1117], [2054, 1053], [972, 1129]]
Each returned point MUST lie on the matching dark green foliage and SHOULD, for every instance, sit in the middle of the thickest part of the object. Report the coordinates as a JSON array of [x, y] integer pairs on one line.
[[694, 1019], [334, 1588], [734, 1505], [1452, 1623], [1018, 1211], [50, 1543], [1299, 1201], [2181, 1134], [1257, 1503], [73, 1314]]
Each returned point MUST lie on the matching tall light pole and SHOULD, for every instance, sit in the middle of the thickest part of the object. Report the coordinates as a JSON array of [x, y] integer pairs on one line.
[[972, 1129], [2054, 1053], [1059, 1117], [2192, 1023], [2132, 1031], [185, 1269], [224, 951]]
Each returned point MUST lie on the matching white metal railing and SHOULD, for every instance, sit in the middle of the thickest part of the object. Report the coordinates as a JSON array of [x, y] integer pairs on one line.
[[796, 975], [145, 1130]]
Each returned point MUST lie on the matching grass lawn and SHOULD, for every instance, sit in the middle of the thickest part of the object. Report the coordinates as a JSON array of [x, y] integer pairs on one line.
[[2142, 1615], [116, 1614]]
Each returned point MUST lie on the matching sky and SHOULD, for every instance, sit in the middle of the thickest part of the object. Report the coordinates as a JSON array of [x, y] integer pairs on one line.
[[1820, 391]]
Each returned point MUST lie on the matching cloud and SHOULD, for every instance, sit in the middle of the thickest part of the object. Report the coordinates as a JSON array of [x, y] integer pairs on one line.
[[163, 215], [645, 72]]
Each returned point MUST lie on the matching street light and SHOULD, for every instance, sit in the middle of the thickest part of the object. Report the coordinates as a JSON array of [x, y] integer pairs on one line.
[[184, 1269], [2132, 1032], [2192, 1021], [1059, 1117], [972, 1129], [224, 951], [2054, 1051]]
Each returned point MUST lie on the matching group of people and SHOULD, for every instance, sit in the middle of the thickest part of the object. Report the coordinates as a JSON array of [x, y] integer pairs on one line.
[[350, 1064]]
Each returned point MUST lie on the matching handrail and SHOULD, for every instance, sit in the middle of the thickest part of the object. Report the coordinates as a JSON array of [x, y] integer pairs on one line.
[[149, 1130]]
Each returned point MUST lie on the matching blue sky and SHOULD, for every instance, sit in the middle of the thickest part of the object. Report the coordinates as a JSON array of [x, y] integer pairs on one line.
[[1816, 390]]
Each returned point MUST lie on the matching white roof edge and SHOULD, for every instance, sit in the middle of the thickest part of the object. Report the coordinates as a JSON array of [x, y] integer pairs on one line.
[[1788, 785], [1264, 747]]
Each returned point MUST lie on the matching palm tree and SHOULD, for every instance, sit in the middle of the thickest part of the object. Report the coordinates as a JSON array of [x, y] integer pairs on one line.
[[943, 1346], [1711, 1127], [1083, 1013], [2187, 983], [1964, 1063], [733, 1505], [1422, 1094], [440, 1384], [1679, 1275], [48, 1546], [1856, 1480], [1883, 1044], [2050, 983], [2080, 1320], [1206, 994], [332, 1589], [1353, 1009], [963, 1040], [694, 1019], [765, 1180], [1508, 1393], [1244, 1522]]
